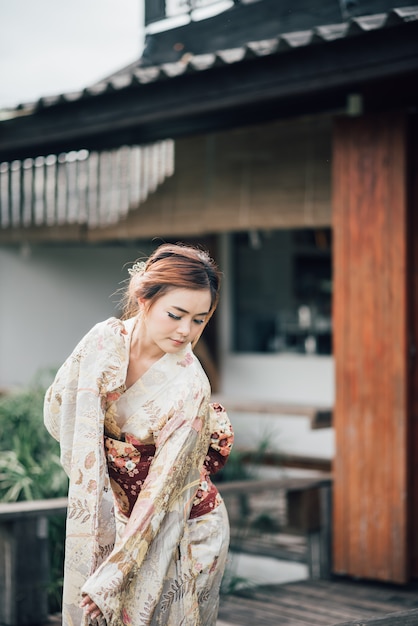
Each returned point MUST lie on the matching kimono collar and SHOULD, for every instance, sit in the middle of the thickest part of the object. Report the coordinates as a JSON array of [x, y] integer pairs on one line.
[[117, 339], [114, 359]]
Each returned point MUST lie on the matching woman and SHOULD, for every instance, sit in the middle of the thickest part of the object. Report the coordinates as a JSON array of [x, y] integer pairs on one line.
[[147, 532]]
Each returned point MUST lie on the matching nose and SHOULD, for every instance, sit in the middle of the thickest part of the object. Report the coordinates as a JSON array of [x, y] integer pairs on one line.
[[183, 328]]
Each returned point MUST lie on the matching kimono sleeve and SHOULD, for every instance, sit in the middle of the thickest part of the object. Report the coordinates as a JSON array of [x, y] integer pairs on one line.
[[61, 398], [158, 519], [221, 439]]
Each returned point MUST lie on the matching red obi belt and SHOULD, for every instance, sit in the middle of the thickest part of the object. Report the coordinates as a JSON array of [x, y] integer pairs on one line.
[[129, 462]]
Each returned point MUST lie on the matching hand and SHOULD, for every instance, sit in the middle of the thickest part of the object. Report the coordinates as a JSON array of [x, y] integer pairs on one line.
[[90, 608]]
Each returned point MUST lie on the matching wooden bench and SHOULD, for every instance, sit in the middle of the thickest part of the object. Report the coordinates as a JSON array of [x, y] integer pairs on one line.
[[309, 510], [283, 459], [405, 618], [320, 417], [24, 560]]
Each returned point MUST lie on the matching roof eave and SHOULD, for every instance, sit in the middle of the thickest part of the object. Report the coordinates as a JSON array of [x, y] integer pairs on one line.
[[300, 80]]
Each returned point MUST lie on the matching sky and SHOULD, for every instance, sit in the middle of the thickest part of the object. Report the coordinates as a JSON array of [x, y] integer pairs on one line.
[[48, 47]]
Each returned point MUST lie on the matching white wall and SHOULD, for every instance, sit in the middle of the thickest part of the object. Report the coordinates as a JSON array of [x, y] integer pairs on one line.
[[281, 378], [49, 298], [285, 378]]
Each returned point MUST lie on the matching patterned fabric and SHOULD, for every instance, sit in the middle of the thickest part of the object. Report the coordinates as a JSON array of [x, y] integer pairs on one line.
[[156, 566], [129, 459], [128, 464]]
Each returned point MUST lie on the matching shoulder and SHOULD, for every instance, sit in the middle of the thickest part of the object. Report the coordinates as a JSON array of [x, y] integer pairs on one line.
[[193, 370], [111, 326], [102, 351], [109, 335], [106, 329]]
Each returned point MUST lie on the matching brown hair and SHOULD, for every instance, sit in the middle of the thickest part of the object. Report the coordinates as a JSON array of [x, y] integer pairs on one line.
[[172, 266]]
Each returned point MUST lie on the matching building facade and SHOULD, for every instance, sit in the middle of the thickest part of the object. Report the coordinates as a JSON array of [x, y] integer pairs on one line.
[[295, 150]]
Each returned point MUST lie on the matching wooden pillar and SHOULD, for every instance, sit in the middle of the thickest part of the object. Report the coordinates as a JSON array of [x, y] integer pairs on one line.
[[371, 490], [413, 343]]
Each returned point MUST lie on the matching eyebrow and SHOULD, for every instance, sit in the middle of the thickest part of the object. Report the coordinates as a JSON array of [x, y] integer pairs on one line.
[[187, 312]]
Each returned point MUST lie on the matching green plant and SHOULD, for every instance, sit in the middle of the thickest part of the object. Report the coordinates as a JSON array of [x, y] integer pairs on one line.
[[29, 458], [232, 583], [266, 523], [242, 464], [30, 467], [236, 468]]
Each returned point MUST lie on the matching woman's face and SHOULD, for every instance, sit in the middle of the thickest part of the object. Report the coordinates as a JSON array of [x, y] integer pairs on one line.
[[176, 318]]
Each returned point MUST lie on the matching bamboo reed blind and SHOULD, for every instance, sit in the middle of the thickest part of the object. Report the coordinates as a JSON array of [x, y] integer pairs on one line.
[[96, 188], [268, 176]]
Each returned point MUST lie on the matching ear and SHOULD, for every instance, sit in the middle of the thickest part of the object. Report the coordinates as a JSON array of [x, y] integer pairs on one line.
[[142, 305]]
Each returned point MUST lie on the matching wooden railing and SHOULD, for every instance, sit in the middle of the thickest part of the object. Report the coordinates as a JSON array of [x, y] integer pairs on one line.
[[24, 560], [308, 513], [24, 546]]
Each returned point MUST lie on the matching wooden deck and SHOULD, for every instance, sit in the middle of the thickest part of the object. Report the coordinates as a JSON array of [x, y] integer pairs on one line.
[[312, 603], [315, 603]]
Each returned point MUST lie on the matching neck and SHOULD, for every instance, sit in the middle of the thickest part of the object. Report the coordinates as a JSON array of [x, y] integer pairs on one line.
[[142, 349]]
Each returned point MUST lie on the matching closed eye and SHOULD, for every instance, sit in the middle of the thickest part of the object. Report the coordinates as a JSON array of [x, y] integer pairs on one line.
[[174, 317], [199, 322]]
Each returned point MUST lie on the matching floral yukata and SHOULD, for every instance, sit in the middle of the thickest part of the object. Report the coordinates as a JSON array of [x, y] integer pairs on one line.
[[147, 532]]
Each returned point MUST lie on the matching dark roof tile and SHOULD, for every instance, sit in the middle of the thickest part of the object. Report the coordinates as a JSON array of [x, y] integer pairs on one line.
[[298, 38], [331, 31], [202, 61], [263, 47], [135, 73], [234, 55]]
